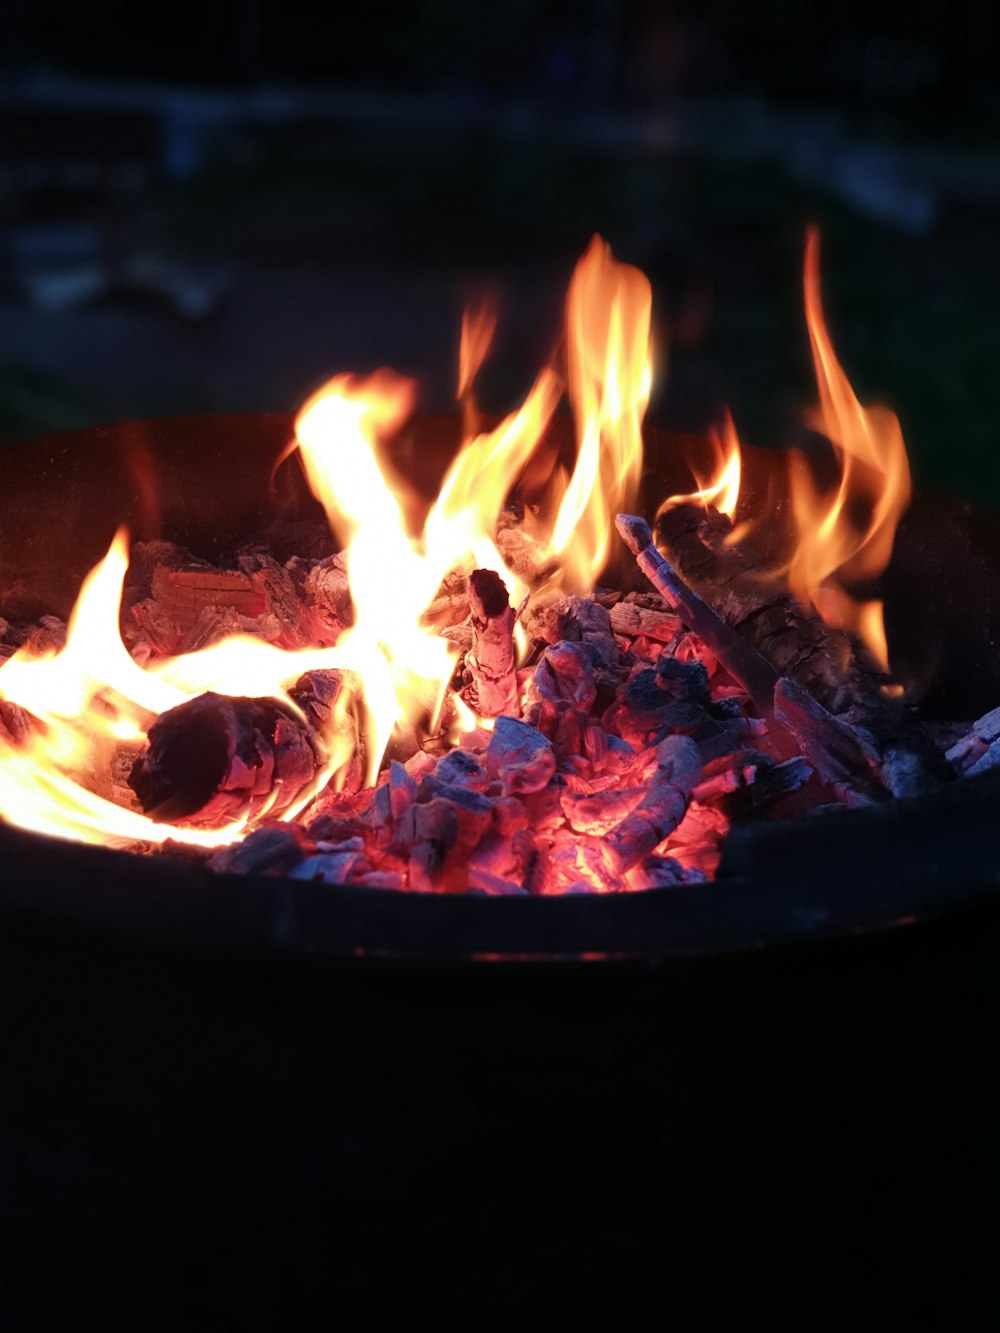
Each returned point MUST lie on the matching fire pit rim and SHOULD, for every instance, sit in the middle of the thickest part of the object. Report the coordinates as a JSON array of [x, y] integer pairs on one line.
[[292, 918], [158, 900]]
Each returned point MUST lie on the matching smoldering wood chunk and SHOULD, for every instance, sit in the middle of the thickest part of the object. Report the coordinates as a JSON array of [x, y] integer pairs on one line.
[[827, 663], [450, 604], [524, 556], [267, 851], [697, 841], [145, 558], [748, 779], [565, 619], [183, 593], [42, 639], [481, 881], [643, 708], [381, 879], [283, 600], [215, 759], [473, 810], [564, 675], [841, 754], [662, 872], [599, 812], [678, 769], [717, 738], [428, 833], [460, 768], [980, 738], [607, 754], [491, 661], [520, 757], [332, 700], [178, 604], [578, 865], [333, 867], [327, 593], [16, 725], [631, 619], [397, 790], [990, 758], [687, 681]]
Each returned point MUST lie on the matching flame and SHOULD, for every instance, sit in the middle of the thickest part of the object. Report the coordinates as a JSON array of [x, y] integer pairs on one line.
[[722, 490], [608, 311], [847, 537], [478, 328], [90, 699]]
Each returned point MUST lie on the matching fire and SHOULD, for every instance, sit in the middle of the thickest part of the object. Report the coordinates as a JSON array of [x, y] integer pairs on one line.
[[83, 713], [722, 489], [847, 537], [608, 312], [91, 704]]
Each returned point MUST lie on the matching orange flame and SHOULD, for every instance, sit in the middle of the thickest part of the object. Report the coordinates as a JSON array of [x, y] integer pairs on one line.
[[848, 537], [608, 311], [478, 328], [722, 490]]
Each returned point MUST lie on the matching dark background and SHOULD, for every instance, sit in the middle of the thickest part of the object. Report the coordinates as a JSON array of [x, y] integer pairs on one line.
[[213, 206]]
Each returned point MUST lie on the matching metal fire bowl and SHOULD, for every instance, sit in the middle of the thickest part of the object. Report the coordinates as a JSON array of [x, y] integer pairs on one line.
[[209, 482]]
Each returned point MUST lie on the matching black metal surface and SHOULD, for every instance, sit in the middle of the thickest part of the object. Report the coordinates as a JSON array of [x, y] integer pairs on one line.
[[207, 482], [810, 1136]]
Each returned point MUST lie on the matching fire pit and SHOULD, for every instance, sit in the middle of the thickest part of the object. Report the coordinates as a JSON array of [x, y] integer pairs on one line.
[[207, 484]]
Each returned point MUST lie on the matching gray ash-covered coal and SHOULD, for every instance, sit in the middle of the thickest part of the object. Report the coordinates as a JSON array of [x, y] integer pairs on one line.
[[638, 727], [623, 772]]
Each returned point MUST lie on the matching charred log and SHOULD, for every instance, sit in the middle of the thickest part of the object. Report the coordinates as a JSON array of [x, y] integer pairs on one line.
[[215, 759], [979, 748], [826, 663], [16, 725]]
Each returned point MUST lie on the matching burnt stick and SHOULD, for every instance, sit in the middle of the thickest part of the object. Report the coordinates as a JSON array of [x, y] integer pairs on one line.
[[491, 661], [740, 659], [823, 661]]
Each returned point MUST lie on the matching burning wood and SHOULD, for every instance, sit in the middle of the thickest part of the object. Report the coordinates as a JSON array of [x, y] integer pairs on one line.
[[979, 749], [661, 809], [821, 660], [215, 760], [491, 661]]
